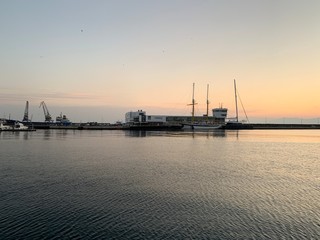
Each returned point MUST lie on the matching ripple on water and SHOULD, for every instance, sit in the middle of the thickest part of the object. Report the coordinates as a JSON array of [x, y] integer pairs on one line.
[[158, 187]]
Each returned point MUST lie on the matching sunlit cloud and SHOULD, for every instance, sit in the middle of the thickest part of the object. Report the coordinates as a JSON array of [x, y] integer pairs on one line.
[[13, 96]]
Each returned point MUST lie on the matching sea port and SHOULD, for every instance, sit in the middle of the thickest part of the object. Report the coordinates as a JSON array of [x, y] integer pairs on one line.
[[140, 120]]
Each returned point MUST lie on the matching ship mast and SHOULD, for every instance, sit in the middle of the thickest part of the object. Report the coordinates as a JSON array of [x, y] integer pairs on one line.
[[207, 102], [192, 104], [236, 99]]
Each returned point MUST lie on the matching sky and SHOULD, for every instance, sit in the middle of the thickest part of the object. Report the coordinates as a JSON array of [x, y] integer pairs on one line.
[[95, 60]]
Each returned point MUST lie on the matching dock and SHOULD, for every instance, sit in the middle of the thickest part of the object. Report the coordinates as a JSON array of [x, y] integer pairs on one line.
[[176, 126], [270, 126]]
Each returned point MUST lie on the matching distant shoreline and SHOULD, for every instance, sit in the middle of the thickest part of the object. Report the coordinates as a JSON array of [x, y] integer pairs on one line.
[[175, 127]]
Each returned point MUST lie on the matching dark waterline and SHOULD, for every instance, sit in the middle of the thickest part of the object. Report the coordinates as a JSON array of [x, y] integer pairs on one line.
[[60, 184]]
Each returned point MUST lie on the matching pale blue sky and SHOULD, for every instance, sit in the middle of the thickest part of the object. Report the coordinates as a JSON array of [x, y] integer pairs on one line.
[[95, 60]]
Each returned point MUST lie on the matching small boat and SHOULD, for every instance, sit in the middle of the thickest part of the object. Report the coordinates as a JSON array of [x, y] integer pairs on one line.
[[20, 126], [17, 126], [5, 127]]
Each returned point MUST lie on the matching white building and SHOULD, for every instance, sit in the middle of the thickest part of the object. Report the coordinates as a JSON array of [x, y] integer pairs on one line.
[[140, 116], [134, 117], [156, 118], [220, 113], [218, 116]]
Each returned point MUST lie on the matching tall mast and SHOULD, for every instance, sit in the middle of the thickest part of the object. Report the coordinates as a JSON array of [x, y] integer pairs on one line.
[[236, 100], [193, 103], [207, 101]]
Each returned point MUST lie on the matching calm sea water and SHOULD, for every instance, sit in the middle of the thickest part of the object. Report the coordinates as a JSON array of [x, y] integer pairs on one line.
[[62, 184]]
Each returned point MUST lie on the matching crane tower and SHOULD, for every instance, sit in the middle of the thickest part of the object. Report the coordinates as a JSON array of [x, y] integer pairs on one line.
[[26, 113]]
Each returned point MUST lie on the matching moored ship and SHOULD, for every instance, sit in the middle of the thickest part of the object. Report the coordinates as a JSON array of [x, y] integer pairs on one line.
[[16, 126], [219, 115]]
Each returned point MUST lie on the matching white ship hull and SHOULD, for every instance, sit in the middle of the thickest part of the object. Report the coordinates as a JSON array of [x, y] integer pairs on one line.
[[202, 126], [16, 127]]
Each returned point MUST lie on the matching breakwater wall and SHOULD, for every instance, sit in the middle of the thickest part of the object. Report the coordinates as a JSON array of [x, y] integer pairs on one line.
[[252, 126], [284, 126]]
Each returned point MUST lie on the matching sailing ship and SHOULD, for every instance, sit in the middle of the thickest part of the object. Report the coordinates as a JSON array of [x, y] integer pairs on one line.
[[235, 124], [205, 125]]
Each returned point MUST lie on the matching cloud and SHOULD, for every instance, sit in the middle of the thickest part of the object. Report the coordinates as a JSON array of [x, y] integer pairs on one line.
[[18, 95]]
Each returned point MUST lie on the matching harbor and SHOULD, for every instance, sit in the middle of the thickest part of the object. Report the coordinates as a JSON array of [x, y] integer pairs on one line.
[[179, 127], [33, 126], [140, 120]]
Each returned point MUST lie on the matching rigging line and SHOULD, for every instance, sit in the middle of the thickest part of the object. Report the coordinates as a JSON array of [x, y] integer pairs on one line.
[[243, 107]]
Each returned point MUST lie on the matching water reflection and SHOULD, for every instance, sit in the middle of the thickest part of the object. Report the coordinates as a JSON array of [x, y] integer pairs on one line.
[[189, 133], [26, 135], [62, 133], [230, 135], [117, 180], [219, 133], [233, 133], [138, 133], [47, 134], [15, 135]]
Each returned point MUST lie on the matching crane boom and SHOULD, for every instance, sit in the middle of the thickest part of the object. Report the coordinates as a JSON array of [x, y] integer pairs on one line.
[[47, 115]]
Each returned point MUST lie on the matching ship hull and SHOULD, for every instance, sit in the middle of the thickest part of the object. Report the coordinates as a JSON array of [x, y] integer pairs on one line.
[[202, 126]]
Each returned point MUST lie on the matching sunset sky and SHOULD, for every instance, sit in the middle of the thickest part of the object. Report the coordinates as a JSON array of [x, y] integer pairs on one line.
[[95, 60]]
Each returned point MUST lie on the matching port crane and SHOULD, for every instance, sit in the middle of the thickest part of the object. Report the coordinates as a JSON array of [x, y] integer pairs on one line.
[[26, 113], [47, 115]]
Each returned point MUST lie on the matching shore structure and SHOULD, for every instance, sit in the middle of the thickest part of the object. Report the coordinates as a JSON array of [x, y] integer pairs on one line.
[[140, 117], [154, 122], [193, 122], [140, 120], [14, 126]]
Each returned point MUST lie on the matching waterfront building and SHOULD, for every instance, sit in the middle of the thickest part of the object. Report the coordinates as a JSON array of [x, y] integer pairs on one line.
[[219, 115]]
